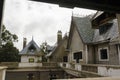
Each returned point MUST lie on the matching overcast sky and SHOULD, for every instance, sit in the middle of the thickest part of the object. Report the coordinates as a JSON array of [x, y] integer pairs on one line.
[[40, 20]]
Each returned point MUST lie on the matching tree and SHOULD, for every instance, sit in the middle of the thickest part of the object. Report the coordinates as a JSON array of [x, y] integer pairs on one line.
[[43, 48], [8, 53]]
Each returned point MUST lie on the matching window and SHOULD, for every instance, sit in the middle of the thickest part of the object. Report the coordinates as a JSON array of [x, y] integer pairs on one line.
[[31, 60], [32, 48], [65, 59], [78, 55], [103, 54], [104, 28]]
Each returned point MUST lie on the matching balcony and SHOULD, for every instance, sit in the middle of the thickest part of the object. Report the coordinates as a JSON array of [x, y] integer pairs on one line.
[[91, 70]]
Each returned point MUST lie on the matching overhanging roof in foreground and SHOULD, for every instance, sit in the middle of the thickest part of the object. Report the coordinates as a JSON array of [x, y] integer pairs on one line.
[[101, 5]]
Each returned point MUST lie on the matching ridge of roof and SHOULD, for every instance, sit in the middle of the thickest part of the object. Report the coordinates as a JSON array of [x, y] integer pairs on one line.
[[32, 42]]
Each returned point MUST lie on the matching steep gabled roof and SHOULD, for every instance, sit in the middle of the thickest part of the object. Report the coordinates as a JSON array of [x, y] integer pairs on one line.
[[83, 25], [56, 46], [26, 49]]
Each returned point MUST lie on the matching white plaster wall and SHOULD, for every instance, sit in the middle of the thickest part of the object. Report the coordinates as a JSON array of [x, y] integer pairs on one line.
[[67, 65], [30, 64], [2, 74], [26, 58], [102, 71], [61, 64], [77, 45], [78, 67], [114, 72], [108, 71]]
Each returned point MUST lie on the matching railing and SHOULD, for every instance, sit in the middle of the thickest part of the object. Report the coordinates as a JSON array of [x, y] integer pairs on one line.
[[52, 64], [90, 68], [44, 64], [102, 70], [25, 64], [9, 64], [30, 65], [100, 78]]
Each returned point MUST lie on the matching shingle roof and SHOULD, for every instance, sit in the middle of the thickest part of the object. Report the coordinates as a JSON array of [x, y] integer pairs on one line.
[[85, 30], [25, 50], [111, 33]]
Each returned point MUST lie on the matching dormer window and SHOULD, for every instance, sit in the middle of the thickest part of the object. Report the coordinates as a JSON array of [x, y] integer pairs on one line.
[[104, 28], [32, 48]]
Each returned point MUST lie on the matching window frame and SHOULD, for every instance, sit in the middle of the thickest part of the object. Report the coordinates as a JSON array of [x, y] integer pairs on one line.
[[99, 52], [77, 52], [65, 58], [32, 59]]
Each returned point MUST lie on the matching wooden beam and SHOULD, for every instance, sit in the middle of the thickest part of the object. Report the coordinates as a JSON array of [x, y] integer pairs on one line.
[[101, 5], [102, 19]]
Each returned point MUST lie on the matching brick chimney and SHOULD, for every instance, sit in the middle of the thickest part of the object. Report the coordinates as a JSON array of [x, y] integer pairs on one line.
[[59, 36], [24, 42]]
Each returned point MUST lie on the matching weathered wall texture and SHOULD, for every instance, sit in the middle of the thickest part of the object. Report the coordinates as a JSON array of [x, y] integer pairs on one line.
[[26, 58], [77, 46], [57, 55], [113, 58]]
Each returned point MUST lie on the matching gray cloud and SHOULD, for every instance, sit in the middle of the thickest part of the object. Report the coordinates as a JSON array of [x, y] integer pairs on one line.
[[26, 19]]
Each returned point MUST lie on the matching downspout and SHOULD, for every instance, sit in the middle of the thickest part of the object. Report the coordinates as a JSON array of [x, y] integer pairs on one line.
[[86, 51], [118, 49]]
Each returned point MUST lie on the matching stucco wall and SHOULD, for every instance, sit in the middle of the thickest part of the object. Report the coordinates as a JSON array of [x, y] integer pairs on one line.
[[77, 46], [57, 56], [91, 54], [30, 64], [26, 58], [113, 58]]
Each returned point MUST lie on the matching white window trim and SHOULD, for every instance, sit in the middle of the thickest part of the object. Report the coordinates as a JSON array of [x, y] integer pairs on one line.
[[75, 52], [100, 55]]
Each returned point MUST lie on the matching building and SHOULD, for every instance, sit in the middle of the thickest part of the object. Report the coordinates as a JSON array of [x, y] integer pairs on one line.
[[106, 39], [80, 36], [30, 52], [88, 45], [59, 53]]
